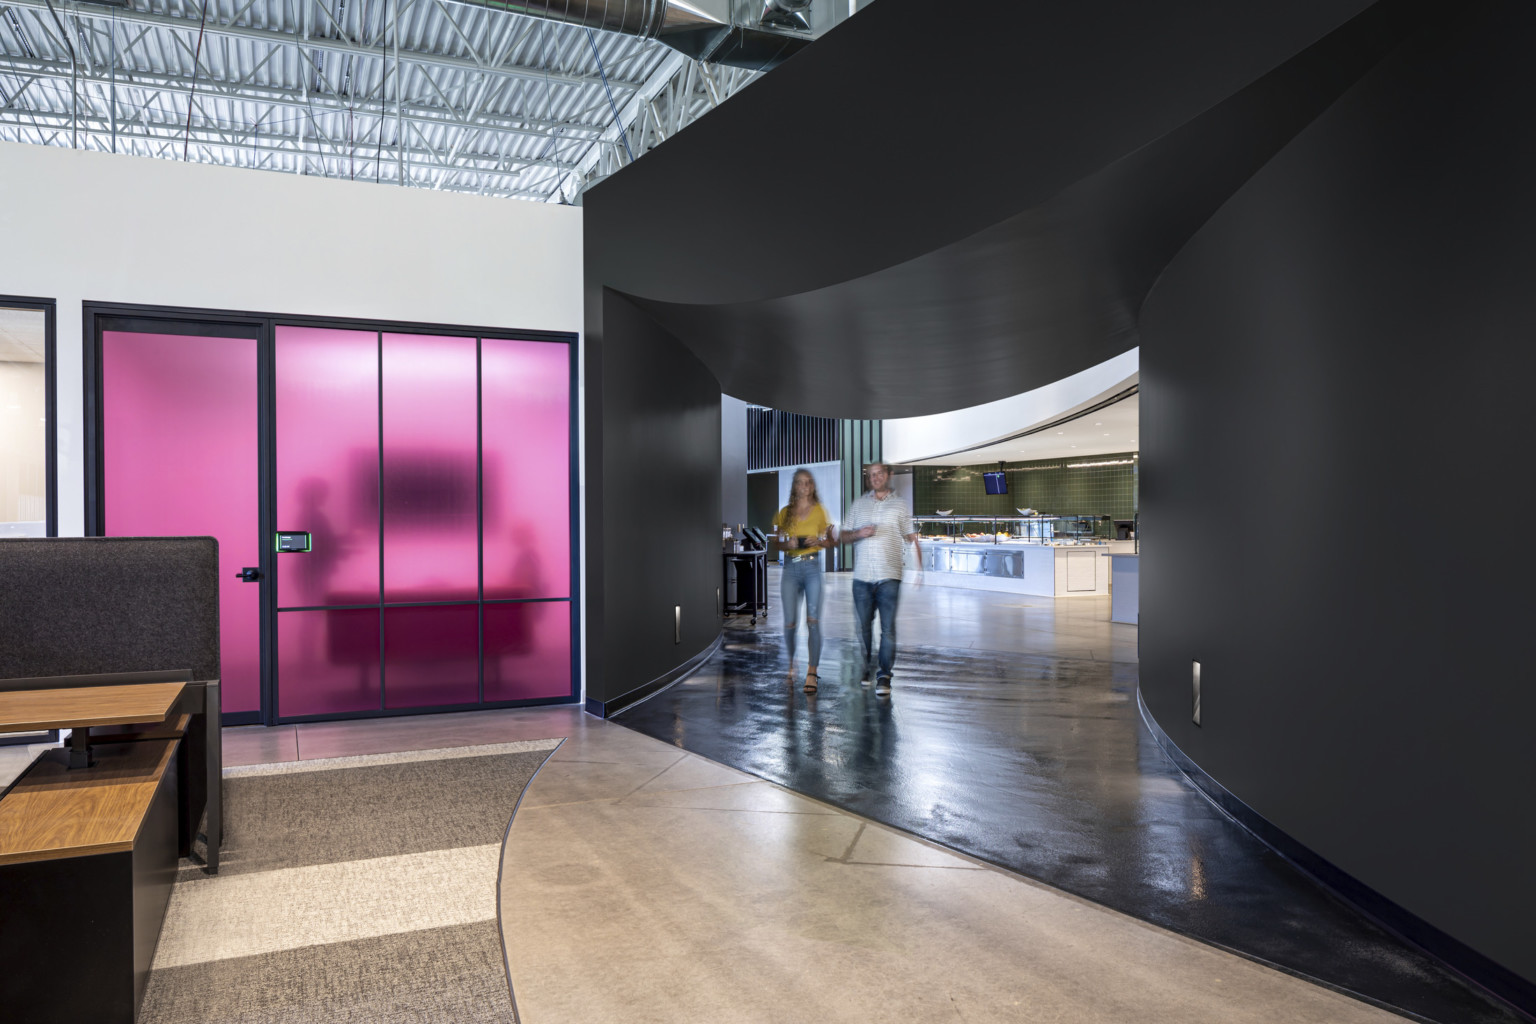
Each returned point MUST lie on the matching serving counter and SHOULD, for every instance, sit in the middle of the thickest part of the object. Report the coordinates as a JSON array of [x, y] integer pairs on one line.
[[1041, 556], [1016, 567]]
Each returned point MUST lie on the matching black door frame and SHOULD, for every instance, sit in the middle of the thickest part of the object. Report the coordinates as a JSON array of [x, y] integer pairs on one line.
[[100, 316]]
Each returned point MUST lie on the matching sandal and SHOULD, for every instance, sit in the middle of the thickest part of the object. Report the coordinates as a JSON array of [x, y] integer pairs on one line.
[[810, 681]]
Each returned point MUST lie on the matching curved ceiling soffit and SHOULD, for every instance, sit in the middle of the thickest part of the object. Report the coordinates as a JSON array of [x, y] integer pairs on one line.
[[1039, 296], [762, 171], [948, 329]]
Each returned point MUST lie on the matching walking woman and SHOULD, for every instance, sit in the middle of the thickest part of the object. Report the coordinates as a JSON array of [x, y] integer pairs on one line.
[[803, 531]]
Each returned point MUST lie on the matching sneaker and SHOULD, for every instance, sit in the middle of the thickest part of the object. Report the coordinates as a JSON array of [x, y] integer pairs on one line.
[[883, 686]]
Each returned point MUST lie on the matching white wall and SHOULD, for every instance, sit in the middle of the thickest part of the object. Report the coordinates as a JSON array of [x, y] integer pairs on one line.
[[83, 227], [915, 438]]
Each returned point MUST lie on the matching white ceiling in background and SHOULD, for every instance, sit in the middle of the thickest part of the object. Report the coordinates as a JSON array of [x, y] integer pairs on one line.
[[1112, 430], [21, 335]]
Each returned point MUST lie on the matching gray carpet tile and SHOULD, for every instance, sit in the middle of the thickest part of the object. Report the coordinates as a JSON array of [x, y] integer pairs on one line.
[[440, 976], [363, 892], [326, 817]]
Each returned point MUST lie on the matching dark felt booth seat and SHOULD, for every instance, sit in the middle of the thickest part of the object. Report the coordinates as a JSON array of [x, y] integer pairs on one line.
[[93, 611], [88, 856]]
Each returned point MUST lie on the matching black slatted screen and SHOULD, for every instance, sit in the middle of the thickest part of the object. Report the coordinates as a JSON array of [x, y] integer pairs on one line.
[[777, 438]]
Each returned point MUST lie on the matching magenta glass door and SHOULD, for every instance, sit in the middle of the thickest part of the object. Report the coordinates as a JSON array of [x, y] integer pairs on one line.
[[180, 458], [326, 484]]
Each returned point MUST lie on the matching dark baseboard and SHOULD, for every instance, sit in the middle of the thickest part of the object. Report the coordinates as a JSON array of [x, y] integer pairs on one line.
[[607, 709], [229, 718], [1498, 981]]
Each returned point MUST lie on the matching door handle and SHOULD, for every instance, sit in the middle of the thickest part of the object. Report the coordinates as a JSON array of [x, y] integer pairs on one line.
[[249, 574]]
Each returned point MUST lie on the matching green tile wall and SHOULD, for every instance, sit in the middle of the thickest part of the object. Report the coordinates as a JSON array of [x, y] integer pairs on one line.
[[1047, 486]]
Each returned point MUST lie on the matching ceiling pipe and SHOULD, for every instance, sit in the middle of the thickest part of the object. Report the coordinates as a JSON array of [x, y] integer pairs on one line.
[[757, 35]]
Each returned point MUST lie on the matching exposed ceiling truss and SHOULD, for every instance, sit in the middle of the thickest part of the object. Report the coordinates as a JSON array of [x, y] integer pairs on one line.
[[416, 92]]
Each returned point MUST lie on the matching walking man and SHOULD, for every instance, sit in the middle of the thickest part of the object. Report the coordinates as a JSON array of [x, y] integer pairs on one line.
[[881, 524]]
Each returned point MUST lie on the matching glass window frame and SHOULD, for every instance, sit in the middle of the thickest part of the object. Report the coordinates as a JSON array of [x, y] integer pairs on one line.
[[49, 309]]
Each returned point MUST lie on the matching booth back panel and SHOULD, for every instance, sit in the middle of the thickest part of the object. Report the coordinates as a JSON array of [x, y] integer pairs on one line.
[[79, 605]]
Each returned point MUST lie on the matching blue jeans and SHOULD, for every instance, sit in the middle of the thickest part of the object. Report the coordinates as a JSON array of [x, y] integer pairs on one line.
[[884, 596], [802, 578]]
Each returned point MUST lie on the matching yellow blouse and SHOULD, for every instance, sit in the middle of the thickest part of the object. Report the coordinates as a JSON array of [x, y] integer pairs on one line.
[[812, 525]]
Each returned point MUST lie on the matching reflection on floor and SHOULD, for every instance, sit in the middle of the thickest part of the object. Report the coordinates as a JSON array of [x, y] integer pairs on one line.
[[1076, 627], [644, 882], [641, 882], [1038, 764]]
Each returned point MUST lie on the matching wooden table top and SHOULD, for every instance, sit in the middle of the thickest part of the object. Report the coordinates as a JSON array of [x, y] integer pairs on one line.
[[84, 706], [52, 812]]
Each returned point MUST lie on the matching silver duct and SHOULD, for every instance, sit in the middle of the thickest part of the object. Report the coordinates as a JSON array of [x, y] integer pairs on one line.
[[648, 19], [753, 34]]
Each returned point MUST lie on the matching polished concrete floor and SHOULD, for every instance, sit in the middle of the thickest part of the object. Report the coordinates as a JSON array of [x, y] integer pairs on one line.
[[1076, 627], [643, 883], [1013, 736], [999, 841]]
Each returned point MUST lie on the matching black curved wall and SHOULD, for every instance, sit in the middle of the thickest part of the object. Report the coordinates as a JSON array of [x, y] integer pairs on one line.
[[892, 294], [1334, 366], [1336, 378], [653, 502]]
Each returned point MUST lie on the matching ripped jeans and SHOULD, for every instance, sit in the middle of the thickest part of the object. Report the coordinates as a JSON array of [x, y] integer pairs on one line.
[[802, 577]]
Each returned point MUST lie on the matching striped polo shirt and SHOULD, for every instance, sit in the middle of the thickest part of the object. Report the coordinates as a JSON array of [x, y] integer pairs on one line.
[[879, 557]]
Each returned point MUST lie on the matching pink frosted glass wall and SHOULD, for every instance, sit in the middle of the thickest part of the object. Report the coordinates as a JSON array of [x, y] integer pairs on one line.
[[431, 514], [469, 429], [326, 386], [431, 655], [179, 436], [328, 661], [527, 650], [526, 415]]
